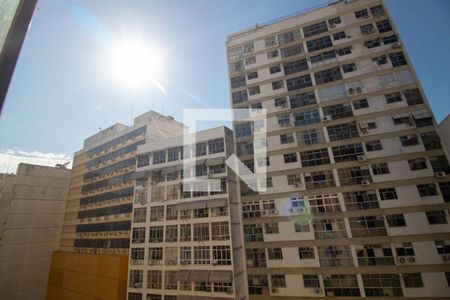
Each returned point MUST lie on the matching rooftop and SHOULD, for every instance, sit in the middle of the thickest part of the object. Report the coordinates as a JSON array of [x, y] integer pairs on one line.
[[251, 29]]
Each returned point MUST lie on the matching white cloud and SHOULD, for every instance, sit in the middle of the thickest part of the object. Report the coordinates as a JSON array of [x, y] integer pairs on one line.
[[10, 158], [98, 107]]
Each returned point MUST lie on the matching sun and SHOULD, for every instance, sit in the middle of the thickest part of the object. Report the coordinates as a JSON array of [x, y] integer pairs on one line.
[[136, 64]]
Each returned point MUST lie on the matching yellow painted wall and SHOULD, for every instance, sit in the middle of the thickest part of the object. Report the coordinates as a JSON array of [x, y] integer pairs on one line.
[[87, 277]]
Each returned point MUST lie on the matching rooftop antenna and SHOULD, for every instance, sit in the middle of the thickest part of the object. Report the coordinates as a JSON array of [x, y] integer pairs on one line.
[[62, 166], [132, 109]]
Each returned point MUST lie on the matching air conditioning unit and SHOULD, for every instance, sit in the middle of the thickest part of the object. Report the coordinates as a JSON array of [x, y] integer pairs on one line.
[[365, 131], [332, 25], [273, 212], [366, 16], [297, 184], [327, 118], [362, 158], [230, 291], [401, 260], [274, 290], [351, 91], [318, 290], [365, 182], [446, 257], [396, 45], [215, 262], [405, 260], [265, 213], [440, 174]]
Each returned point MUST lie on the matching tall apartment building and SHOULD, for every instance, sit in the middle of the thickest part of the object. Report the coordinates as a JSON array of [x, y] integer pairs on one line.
[[187, 240], [92, 261], [444, 129], [32, 204], [358, 193]]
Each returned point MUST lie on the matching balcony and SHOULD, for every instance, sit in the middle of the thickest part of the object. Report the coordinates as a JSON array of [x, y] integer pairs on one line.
[[365, 232], [254, 238], [376, 261], [256, 263], [330, 234]]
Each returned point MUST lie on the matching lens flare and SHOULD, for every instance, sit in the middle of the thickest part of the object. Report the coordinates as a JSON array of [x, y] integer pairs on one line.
[[136, 64], [297, 210]]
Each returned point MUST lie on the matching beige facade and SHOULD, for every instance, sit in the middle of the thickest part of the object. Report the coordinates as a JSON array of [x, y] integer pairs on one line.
[[444, 129], [99, 202], [32, 206], [187, 240], [358, 193], [97, 219]]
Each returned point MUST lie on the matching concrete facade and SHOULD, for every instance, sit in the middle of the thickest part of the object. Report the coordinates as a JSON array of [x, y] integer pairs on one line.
[[444, 129], [358, 193], [97, 220], [32, 204], [187, 243]]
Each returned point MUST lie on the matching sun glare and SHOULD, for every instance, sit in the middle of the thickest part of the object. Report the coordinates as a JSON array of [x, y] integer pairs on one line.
[[136, 64]]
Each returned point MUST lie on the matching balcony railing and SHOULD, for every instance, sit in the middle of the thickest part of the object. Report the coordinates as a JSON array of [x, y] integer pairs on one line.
[[363, 232], [376, 261]]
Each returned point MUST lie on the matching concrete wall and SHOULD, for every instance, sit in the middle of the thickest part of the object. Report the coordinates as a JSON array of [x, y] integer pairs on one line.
[[32, 208]]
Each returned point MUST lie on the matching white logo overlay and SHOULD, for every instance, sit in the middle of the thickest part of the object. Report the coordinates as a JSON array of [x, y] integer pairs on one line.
[[248, 122]]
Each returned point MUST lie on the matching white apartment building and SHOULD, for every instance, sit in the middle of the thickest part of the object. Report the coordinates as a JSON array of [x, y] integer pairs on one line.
[[187, 243], [358, 193]]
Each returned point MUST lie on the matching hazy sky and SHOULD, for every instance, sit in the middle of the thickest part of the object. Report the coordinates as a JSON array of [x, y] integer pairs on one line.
[[62, 90]]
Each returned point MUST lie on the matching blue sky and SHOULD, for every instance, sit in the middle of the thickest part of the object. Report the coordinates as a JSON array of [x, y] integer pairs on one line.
[[61, 92]]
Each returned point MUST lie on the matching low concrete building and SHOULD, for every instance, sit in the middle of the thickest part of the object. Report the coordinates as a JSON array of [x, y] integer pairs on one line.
[[32, 205]]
